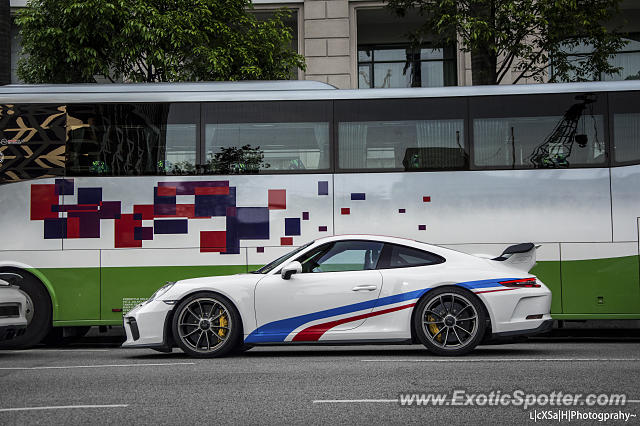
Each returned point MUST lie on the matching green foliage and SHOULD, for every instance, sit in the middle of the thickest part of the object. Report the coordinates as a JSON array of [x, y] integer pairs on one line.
[[524, 36], [74, 41], [235, 161]]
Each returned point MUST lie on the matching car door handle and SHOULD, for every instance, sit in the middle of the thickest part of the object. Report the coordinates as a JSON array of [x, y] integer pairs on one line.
[[364, 288]]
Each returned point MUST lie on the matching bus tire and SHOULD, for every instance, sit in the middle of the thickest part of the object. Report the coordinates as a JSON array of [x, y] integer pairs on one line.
[[40, 312]]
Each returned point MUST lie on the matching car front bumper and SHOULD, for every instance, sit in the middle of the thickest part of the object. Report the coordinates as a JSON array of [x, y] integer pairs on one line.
[[147, 326]]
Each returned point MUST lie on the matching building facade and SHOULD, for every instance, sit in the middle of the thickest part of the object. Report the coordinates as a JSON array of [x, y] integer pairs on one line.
[[360, 44]]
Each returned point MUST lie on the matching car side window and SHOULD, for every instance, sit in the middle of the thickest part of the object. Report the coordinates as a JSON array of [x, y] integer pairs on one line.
[[397, 256], [342, 256]]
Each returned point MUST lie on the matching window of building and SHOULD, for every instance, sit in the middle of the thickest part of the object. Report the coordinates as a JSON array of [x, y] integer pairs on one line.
[[626, 127], [132, 139], [546, 131], [292, 25], [407, 135], [256, 137], [382, 66], [628, 59]]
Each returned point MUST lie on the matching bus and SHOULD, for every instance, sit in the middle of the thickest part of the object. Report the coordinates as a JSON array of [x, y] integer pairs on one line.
[[109, 191]]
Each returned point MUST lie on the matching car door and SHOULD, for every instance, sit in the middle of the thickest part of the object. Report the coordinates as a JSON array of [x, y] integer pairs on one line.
[[338, 284]]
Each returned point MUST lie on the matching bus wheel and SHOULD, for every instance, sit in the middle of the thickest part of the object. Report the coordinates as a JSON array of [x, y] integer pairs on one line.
[[37, 311]]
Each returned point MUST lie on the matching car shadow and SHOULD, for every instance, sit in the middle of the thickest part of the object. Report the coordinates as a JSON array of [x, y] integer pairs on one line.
[[377, 353]]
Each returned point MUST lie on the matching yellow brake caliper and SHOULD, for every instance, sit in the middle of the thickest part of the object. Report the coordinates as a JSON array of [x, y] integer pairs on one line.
[[224, 322], [433, 328]]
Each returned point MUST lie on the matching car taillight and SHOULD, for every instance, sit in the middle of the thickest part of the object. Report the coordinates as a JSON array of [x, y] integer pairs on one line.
[[525, 282]]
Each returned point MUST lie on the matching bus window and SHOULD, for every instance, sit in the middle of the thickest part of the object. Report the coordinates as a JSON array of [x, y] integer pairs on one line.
[[408, 145], [132, 139], [539, 131], [32, 139], [402, 135], [246, 138], [626, 127]]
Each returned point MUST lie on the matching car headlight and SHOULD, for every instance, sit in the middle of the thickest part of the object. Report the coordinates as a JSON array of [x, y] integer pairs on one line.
[[162, 290]]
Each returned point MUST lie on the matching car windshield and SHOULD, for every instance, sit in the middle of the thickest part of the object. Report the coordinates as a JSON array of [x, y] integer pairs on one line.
[[270, 266]]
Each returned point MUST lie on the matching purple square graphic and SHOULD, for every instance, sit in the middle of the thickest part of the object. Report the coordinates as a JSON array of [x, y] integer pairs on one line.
[[64, 186], [110, 210], [89, 195], [142, 233], [323, 187], [402, 210], [170, 226], [55, 228], [422, 227], [252, 223], [292, 226], [358, 196], [259, 249], [305, 215], [322, 228]]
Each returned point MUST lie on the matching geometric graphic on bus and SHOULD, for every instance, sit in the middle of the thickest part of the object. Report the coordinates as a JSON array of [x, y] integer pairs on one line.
[[211, 199]]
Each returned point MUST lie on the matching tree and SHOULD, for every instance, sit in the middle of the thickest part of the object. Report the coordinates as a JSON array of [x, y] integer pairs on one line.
[[74, 41], [234, 161], [525, 36]]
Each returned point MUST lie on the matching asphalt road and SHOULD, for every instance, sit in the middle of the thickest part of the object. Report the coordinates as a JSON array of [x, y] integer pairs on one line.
[[94, 383]]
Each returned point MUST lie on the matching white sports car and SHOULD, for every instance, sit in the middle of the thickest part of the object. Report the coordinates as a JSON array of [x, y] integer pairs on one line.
[[350, 289]]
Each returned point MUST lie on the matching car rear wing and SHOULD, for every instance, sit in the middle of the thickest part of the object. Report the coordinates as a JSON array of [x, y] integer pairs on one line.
[[520, 256]]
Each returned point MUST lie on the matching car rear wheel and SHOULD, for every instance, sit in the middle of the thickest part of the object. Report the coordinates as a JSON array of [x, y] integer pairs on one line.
[[450, 321], [206, 325]]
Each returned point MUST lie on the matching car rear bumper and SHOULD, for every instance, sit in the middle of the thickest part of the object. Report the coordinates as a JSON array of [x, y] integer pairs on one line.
[[544, 327], [9, 332]]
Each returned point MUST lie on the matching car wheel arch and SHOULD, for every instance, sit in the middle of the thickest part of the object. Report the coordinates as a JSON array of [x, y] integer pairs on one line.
[[414, 338], [168, 322]]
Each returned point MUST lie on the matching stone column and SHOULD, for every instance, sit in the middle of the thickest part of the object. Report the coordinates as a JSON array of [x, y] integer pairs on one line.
[[5, 42], [326, 42]]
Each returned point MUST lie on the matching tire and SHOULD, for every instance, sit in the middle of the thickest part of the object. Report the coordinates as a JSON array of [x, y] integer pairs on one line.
[[39, 317], [450, 321], [207, 325]]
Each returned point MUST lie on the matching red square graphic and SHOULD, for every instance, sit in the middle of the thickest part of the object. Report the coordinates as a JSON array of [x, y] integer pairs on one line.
[[42, 198], [213, 241], [426, 199], [146, 210], [345, 210], [212, 190], [277, 199], [286, 241], [166, 191], [73, 227]]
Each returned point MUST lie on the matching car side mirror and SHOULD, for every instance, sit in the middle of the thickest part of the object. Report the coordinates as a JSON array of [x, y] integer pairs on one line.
[[294, 267]]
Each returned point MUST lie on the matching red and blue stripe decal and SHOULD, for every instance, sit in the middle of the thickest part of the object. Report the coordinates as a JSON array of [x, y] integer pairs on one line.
[[277, 331]]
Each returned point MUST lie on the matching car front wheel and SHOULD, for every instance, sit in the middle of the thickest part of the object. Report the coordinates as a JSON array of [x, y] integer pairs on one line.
[[206, 325], [450, 321]]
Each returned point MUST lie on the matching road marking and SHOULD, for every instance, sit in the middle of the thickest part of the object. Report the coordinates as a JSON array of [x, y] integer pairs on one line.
[[357, 401], [63, 407], [96, 366], [58, 350], [347, 401], [508, 360]]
